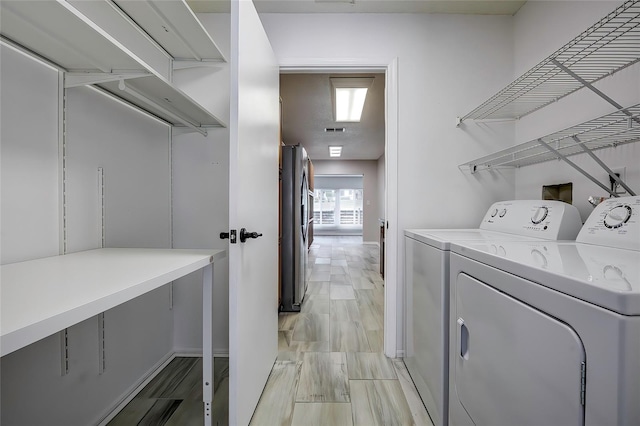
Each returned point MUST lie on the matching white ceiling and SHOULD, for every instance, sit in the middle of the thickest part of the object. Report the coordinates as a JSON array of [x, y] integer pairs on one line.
[[307, 107], [482, 7], [307, 110]]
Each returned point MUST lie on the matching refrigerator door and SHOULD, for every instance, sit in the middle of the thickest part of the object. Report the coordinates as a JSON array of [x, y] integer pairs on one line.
[[294, 227], [302, 222]]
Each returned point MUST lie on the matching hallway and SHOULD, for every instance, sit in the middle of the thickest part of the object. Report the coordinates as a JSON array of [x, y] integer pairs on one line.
[[330, 368]]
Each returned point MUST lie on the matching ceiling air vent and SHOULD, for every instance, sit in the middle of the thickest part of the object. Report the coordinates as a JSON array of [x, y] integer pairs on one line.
[[334, 129]]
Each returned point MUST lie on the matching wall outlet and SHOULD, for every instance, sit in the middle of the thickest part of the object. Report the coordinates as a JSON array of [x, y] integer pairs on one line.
[[622, 173]]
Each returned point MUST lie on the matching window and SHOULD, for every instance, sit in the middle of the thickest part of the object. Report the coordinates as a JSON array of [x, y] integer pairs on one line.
[[338, 209]]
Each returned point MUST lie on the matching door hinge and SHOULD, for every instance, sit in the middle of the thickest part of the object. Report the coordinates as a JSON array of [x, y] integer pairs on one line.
[[583, 382]]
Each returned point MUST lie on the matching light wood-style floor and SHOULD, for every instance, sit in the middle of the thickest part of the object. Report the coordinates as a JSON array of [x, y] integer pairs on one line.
[[331, 369]]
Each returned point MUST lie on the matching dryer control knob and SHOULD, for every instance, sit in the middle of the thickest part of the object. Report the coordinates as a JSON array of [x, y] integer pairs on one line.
[[494, 212], [503, 212], [617, 216], [540, 215]]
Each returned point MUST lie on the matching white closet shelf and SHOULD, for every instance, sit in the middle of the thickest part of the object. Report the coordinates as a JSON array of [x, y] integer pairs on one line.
[[174, 26], [620, 127], [606, 47], [59, 33], [41, 297]]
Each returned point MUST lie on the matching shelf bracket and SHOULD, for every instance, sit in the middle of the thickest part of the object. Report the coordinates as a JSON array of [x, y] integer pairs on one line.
[[181, 64], [180, 130], [75, 79], [598, 92], [614, 176], [578, 168], [123, 86]]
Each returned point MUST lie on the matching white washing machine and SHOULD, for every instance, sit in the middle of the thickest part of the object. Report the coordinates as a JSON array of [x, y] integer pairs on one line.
[[427, 284], [548, 333]]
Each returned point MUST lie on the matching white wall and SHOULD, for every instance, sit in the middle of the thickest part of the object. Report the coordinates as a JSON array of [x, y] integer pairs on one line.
[[200, 168], [200, 213], [563, 21], [368, 170], [134, 151], [29, 154], [447, 65]]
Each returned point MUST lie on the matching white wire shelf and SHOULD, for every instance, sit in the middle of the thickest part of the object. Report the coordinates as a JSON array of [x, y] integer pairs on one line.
[[620, 127], [606, 47]]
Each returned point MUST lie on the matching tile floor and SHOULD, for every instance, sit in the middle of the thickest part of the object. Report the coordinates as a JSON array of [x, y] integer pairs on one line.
[[330, 368]]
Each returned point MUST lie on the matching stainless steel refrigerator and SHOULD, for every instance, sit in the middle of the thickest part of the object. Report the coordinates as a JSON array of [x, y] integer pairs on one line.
[[295, 222]]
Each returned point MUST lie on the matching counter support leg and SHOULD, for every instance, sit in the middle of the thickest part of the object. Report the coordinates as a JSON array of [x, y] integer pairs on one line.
[[207, 341]]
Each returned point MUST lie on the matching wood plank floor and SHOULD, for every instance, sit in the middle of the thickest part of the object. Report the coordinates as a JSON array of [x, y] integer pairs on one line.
[[330, 369]]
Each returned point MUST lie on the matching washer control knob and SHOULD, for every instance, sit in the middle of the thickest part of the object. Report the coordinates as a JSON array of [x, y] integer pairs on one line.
[[494, 212], [617, 216], [503, 212], [540, 215]]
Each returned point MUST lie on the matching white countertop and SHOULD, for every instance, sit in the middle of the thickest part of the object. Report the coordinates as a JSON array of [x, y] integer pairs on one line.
[[43, 296]]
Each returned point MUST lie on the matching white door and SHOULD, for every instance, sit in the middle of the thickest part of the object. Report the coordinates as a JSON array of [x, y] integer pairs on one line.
[[253, 204]]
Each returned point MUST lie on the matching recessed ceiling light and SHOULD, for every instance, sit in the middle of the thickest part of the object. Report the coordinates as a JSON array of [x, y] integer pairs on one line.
[[349, 96], [350, 103], [335, 151]]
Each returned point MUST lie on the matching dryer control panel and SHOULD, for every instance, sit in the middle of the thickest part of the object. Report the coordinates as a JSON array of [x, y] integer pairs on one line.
[[615, 223], [551, 220]]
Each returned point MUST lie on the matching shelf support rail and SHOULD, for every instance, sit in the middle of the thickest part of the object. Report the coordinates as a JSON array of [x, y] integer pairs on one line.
[[578, 168], [75, 79], [123, 86], [598, 92], [614, 176]]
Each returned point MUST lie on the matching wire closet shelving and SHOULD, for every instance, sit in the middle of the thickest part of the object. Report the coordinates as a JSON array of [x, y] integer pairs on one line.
[[609, 130], [608, 46]]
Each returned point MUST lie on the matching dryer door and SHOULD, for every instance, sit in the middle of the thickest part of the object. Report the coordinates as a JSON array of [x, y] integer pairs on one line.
[[514, 364]]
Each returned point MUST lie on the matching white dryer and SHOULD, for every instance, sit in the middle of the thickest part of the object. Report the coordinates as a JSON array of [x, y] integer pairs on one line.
[[548, 333], [427, 284]]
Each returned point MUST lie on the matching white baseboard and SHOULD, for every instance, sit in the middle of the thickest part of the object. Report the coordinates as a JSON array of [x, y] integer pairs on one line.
[[400, 354], [376, 243], [189, 352]]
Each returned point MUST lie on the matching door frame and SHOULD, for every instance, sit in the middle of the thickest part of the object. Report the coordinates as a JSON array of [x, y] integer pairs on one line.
[[392, 301]]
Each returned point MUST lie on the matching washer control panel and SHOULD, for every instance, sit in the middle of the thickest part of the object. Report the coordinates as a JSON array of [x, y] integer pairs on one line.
[[540, 214], [551, 220], [615, 223]]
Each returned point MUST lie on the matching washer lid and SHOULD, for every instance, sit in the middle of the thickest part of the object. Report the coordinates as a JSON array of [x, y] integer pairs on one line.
[[605, 276], [442, 238]]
